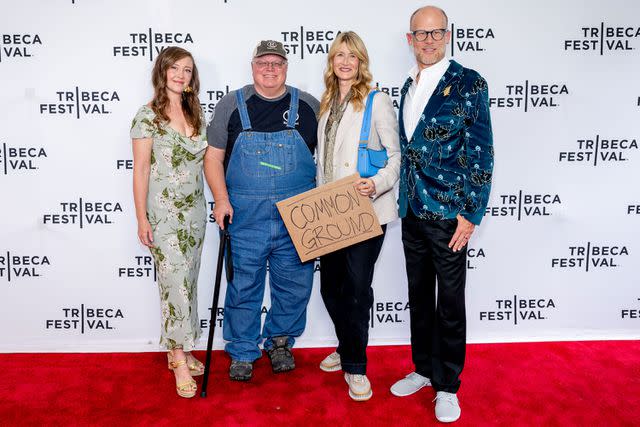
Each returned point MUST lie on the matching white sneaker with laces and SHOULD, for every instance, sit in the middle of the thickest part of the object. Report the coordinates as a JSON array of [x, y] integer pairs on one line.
[[410, 384], [359, 386], [447, 407], [331, 363]]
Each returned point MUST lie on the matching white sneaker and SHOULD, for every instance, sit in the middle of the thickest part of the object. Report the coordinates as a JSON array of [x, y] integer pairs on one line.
[[359, 386], [331, 363], [447, 407], [410, 384]]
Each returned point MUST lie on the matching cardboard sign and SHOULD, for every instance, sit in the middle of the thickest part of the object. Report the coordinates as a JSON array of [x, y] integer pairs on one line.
[[329, 218]]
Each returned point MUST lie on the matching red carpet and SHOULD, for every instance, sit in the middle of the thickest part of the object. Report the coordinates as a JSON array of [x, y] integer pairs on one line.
[[532, 384]]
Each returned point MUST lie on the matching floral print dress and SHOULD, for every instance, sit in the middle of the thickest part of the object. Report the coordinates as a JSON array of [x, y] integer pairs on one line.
[[176, 210]]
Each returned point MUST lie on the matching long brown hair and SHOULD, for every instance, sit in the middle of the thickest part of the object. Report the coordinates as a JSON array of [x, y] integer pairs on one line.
[[362, 85], [190, 102]]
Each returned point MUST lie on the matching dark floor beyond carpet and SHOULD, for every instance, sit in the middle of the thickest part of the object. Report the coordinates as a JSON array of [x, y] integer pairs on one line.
[[532, 384]]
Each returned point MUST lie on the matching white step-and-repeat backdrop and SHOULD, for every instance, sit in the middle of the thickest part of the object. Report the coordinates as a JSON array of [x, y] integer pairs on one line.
[[557, 256]]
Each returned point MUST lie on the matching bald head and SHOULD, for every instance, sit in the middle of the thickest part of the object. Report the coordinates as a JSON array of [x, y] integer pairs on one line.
[[428, 49], [431, 13]]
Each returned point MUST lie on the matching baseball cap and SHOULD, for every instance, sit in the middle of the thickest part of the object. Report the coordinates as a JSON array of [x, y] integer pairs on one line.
[[269, 47]]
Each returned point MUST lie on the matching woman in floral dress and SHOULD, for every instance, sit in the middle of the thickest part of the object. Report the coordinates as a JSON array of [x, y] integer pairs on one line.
[[169, 142]]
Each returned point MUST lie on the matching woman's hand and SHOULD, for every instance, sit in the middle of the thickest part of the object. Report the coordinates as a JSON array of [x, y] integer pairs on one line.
[[366, 187], [221, 209], [145, 234]]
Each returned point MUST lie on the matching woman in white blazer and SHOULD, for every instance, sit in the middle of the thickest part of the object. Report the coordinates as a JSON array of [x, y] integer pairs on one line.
[[346, 274]]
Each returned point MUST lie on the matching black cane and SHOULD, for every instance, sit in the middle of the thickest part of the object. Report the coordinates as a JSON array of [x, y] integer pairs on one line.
[[225, 240]]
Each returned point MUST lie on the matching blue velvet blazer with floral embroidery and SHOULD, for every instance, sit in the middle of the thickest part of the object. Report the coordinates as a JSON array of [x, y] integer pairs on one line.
[[448, 161]]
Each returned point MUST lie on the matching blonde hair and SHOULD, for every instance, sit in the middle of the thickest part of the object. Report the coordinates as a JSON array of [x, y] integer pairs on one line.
[[361, 86]]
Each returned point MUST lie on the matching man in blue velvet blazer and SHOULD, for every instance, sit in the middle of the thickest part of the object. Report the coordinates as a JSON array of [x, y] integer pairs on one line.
[[445, 179]]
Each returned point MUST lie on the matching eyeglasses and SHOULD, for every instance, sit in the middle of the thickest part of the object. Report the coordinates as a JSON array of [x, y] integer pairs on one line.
[[436, 35], [266, 64]]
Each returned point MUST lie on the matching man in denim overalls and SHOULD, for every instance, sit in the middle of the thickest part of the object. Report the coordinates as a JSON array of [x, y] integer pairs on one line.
[[261, 139]]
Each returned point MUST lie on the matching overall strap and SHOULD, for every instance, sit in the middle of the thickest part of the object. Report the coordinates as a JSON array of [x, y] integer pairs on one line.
[[366, 119], [293, 108], [242, 109]]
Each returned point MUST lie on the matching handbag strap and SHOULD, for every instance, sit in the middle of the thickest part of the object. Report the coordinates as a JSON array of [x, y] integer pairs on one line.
[[366, 120]]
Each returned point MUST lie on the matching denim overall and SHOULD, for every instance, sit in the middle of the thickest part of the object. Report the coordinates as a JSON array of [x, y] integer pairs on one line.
[[264, 168]]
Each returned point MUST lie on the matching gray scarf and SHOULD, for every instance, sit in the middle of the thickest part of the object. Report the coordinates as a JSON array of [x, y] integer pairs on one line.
[[330, 130]]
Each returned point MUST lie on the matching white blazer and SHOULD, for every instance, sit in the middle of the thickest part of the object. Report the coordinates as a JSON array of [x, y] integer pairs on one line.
[[384, 133]]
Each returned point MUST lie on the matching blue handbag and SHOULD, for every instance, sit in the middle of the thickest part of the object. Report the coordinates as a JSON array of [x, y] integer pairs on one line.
[[369, 160]]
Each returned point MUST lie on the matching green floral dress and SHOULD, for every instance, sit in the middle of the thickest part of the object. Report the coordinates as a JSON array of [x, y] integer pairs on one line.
[[176, 209]]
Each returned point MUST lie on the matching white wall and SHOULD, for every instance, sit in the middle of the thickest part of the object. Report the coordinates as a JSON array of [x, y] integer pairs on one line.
[[580, 213]]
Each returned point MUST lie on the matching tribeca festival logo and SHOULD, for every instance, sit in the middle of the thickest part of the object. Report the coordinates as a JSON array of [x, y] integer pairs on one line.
[[205, 323], [630, 313], [150, 43], [16, 266], [475, 256], [308, 42], [20, 159], [210, 206], [141, 267], [519, 309], [522, 205], [603, 39], [599, 150], [85, 319], [209, 98], [77, 102], [633, 209], [530, 96], [83, 213], [592, 256], [393, 92], [124, 164], [19, 46], [388, 312], [469, 39]]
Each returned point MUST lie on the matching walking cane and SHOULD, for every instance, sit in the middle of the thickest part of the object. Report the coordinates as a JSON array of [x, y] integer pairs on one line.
[[225, 242]]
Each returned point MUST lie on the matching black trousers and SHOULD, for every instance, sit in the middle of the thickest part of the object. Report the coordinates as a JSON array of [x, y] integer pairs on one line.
[[438, 323], [345, 286]]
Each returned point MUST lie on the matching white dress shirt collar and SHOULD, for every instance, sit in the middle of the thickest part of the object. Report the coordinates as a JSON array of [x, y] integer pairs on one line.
[[436, 70], [419, 93]]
